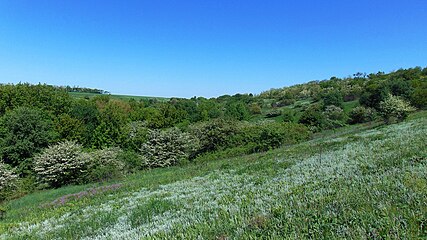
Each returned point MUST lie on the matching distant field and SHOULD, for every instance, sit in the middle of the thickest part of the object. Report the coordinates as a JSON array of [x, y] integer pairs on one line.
[[123, 97]]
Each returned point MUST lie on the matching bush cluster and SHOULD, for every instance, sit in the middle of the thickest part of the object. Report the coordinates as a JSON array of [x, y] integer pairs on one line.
[[362, 114], [104, 164], [61, 164], [67, 163], [214, 135], [395, 107], [264, 136]]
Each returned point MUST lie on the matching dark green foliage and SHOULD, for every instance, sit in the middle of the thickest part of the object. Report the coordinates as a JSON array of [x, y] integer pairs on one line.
[[333, 98], [113, 117], [215, 134], [237, 110], [373, 95], [270, 135], [24, 132], [313, 117], [86, 112], [400, 87], [419, 95], [132, 160], [40, 96]]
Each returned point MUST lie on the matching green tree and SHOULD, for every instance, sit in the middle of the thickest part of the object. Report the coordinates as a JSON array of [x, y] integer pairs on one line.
[[419, 96], [313, 117], [87, 113], [69, 128], [24, 132], [114, 116], [237, 111], [373, 95], [333, 98]]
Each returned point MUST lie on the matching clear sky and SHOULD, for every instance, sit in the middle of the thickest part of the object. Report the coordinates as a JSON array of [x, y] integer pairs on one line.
[[206, 48]]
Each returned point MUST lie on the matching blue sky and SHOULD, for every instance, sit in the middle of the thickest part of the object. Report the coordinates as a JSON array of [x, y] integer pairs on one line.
[[206, 47]]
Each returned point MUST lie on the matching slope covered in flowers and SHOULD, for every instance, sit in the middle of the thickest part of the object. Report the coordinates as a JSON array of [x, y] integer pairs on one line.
[[370, 184]]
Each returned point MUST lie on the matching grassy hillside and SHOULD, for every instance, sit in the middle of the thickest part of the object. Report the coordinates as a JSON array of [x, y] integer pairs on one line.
[[357, 182], [122, 97]]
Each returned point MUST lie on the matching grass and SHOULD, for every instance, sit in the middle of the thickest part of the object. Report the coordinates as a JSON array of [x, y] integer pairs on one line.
[[359, 182], [121, 97], [348, 106]]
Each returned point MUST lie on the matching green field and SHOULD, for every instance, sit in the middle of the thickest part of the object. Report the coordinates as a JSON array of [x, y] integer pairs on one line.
[[122, 97], [359, 182]]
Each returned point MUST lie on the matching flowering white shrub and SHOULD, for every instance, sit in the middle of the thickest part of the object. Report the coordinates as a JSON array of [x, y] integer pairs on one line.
[[7, 179], [105, 164], [167, 148], [335, 116], [61, 164], [395, 107]]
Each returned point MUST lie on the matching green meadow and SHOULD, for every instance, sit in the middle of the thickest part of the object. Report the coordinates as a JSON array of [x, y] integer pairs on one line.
[[365, 181]]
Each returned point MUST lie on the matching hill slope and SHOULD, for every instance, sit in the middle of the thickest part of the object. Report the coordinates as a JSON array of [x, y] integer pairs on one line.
[[357, 184]]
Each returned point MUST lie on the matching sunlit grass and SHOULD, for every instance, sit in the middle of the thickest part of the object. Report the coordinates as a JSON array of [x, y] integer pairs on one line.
[[353, 183]]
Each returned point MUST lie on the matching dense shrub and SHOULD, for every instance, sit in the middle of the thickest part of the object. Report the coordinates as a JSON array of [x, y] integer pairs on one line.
[[214, 135], [419, 96], [70, 128], [361, 114], [7, 180], [373, 95], [237, 111], [333, 98], [105, 164], [394, 107], [40, 96], [167, 148], [265, 136], [313, 117], [61, 164], [132, 160]]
